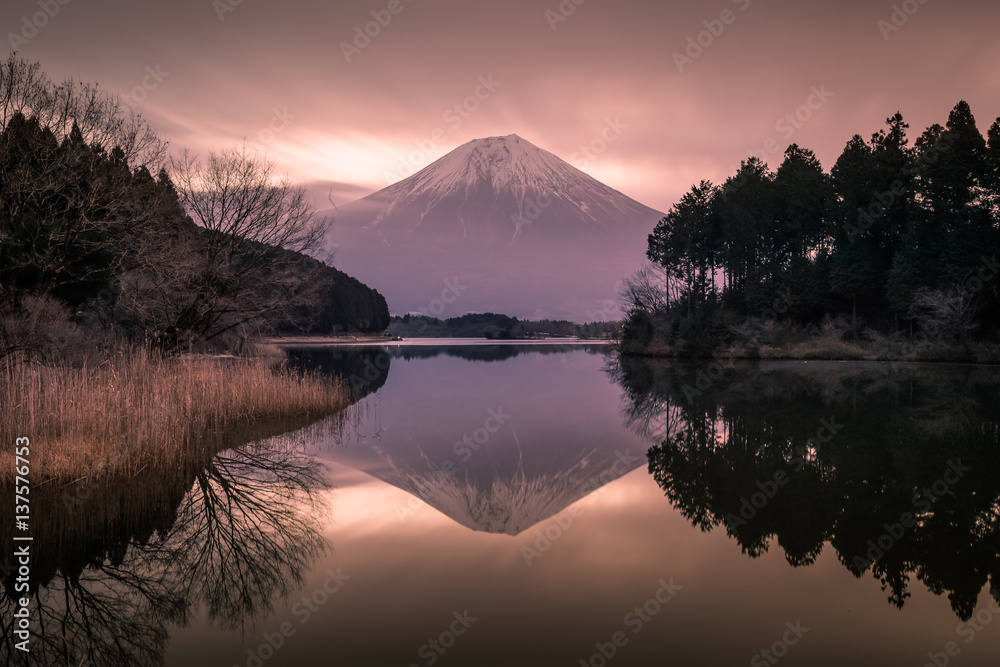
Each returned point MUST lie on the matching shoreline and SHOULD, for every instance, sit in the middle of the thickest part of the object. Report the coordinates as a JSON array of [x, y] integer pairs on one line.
[[978, 354], [319, 341], [137, 411]]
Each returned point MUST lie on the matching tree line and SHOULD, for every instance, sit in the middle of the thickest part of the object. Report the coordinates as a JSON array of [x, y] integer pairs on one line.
[[103, 236], [894, 238], [494, 326]]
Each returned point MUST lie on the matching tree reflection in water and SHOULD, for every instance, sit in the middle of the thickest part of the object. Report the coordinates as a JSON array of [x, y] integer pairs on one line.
[[751, 452], [232, 535]]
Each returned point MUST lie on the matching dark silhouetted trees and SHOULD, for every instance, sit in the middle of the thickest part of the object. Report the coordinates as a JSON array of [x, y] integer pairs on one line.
[[807, 457], [99, 230], [896, 238]]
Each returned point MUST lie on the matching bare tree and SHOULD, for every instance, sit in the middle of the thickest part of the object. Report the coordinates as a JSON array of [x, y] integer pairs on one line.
[[76, 178], [245, 271], [81, 214], [241, 534], [944, 316], [101, 116], [237, 196], [645, 291], [79, 203]]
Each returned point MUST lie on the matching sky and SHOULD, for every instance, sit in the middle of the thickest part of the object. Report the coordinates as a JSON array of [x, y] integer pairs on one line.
[[648, 97]]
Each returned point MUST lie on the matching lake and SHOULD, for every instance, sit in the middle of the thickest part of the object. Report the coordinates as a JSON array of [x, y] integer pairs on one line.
[[546, 504]]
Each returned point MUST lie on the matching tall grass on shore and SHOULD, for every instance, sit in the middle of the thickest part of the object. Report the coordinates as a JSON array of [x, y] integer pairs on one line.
[[140, 410]]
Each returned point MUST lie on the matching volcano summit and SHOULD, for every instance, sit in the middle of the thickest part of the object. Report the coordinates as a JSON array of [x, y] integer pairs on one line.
[[498, 225]]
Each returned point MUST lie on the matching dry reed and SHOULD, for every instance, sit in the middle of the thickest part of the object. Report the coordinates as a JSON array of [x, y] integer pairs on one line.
[[140, 410]]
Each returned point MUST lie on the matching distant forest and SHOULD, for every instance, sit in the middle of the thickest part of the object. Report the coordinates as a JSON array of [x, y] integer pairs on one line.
[[494, 326], [897, 239], [96, 250]]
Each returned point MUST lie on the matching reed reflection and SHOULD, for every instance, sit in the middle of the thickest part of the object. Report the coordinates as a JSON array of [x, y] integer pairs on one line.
[[118, 563]]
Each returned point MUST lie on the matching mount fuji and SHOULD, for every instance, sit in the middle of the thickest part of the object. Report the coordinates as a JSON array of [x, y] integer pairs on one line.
[[496, 225]]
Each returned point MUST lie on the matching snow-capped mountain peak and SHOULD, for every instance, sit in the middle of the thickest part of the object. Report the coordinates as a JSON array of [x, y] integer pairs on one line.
[[526, 231], [496, 187]]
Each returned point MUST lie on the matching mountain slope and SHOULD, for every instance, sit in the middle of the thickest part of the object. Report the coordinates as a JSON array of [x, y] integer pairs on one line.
[[519, 230], [503, 185]]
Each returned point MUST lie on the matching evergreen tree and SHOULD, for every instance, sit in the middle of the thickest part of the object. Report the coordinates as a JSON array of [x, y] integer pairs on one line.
[[895, 232], [685, 244], [745, 211]]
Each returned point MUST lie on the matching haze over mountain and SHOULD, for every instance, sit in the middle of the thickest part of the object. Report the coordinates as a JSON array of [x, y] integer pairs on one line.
[[498, 225]]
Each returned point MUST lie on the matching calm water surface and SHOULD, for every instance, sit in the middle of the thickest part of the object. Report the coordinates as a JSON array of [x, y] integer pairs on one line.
[[543, 505]]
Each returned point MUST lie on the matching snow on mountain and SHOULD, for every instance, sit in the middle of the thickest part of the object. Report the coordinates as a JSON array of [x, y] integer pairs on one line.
[[508, 489], [506, 504], [502, 183], [529, 233]]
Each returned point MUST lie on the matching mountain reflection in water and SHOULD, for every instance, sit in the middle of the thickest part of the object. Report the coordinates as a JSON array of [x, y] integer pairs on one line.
[[461, 446], [548, 526]]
